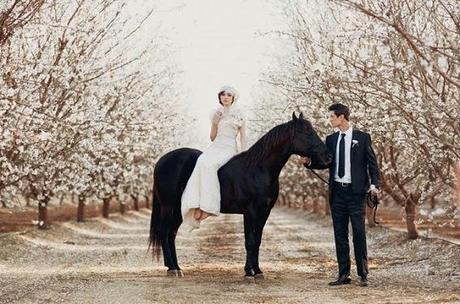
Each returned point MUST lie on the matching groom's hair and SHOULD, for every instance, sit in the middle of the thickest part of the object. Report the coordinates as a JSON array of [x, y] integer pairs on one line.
[[340, 109]]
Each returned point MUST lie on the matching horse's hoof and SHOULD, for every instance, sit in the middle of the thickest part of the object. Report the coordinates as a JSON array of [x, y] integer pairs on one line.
[[259, 276], [180, 274], [172, 273], [249, 278]]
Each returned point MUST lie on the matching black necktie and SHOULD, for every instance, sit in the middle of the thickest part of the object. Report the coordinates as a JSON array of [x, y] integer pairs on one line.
[[342, 156]]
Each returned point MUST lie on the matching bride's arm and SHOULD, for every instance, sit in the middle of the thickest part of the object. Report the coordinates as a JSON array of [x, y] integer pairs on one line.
[[213, 131], [243, 136], [214, 123]]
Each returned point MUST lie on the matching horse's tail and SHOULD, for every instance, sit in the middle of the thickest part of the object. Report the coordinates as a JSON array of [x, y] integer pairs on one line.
[[170, 176], [155, 222]]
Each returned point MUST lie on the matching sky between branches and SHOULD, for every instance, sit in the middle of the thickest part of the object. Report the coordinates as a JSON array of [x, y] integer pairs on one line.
[[214, 42]]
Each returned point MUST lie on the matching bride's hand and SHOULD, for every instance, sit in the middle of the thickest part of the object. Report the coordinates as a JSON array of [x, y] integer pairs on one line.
[[216, 118]]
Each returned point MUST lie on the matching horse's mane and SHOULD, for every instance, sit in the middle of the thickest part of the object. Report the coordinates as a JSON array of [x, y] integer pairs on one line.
[[264, 146]]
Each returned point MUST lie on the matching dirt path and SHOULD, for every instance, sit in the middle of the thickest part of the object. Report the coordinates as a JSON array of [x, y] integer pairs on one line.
[[105, 261]]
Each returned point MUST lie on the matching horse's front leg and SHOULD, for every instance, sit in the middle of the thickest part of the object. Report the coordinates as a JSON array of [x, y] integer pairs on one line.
[[254, 221], [260, 223], [250, 244]]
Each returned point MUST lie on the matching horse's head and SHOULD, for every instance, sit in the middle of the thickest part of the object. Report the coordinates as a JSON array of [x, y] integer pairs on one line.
[[306, 142]]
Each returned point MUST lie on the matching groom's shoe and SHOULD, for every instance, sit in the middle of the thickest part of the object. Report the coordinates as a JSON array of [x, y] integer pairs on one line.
[[363, 281], [342, 280]]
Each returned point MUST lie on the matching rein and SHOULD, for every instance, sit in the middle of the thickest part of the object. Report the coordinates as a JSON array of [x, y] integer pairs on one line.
[[319, 176], [372, 201]]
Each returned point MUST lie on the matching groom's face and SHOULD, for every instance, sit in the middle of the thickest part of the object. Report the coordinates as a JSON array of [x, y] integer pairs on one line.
[[334, 120]]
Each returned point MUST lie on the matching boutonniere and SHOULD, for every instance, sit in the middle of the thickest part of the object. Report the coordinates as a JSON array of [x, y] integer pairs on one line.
[[354, 142]]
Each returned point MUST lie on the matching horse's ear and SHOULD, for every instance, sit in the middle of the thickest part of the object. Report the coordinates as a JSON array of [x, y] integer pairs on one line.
[[293, 116], [301, 115]]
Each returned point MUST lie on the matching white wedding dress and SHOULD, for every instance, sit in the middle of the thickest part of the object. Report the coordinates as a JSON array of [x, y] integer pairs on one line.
[[203, 188]]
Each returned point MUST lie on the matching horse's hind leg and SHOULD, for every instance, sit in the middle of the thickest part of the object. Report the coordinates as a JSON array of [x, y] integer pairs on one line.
[[167, 254], [172, 249], [168, 243]]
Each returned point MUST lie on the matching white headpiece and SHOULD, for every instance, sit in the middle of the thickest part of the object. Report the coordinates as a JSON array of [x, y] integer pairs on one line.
[[230, 89]]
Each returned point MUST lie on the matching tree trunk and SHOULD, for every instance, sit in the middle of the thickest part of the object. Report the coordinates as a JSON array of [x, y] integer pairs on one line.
[[106, 206], [136, 202], [315, 205], [280, 200], [327, 207], [81, 209], [305, 203], [148, 199], [43, 214], [411, 214], [456, 201]]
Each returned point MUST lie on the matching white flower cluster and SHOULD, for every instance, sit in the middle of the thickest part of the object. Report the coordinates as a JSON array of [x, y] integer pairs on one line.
[[81, 111], [401, 80]]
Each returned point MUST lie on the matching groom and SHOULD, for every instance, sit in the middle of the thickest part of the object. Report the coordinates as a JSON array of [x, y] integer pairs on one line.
[[354, 164]]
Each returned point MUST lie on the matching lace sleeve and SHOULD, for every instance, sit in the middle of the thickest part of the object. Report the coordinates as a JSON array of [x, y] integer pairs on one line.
[[240, 118]]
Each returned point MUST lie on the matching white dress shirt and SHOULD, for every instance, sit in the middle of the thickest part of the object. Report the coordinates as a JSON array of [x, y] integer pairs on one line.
[[348, 137]]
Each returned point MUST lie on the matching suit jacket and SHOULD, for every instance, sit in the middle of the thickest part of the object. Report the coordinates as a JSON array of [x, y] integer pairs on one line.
[[364, 165]]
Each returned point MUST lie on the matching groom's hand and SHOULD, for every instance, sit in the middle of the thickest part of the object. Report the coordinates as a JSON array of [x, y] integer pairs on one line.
[[374, 190]]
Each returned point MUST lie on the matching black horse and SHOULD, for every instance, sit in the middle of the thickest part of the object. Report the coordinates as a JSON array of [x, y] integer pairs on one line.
[[249, 186]]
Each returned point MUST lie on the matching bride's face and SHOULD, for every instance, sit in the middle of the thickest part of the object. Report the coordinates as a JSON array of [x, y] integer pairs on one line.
[[226, 98]]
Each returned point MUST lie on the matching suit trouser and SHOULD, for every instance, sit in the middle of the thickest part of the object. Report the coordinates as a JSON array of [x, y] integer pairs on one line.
[[346, 206]]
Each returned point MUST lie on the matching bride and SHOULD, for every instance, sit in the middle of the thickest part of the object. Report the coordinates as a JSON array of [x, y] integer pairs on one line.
[[201, 197]]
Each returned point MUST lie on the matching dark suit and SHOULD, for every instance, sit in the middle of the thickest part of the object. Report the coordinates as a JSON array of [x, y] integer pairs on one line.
[[348, 201]]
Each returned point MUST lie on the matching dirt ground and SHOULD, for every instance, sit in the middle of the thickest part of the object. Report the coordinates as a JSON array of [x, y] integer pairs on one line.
[[23, 218], [105, 261]]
